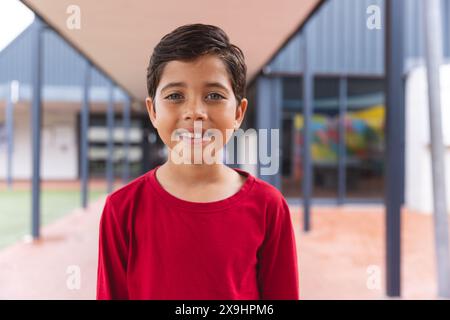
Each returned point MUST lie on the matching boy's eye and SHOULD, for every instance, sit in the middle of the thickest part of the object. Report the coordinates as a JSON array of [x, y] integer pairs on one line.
[[212, 96], [215, 96], [174, 96]]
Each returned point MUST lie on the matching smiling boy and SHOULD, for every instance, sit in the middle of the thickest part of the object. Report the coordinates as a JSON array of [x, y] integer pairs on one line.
[[196, 228]]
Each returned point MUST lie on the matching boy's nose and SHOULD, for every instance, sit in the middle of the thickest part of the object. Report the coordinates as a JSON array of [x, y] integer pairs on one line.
[[195, 112]]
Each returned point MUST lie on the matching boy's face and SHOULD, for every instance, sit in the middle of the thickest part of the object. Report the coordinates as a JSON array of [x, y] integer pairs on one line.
[[197, 92]]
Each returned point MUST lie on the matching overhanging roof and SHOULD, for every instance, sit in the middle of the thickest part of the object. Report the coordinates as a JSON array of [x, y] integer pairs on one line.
[[119, 36]]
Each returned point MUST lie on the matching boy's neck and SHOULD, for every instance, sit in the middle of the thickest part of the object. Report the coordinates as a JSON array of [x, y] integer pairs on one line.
[[193, 173]]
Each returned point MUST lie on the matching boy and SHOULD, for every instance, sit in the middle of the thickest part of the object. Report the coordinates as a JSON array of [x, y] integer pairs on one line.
[[193, 228]]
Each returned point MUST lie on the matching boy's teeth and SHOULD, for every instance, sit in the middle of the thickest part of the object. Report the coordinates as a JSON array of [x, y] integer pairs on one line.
[[187, 135], [194, 136]]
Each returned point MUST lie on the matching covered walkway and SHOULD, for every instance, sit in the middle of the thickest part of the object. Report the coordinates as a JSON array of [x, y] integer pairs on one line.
[[343, 243]]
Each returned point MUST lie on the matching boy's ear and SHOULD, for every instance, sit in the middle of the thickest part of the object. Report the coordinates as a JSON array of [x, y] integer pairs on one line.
[[151, 111], [240, 112]]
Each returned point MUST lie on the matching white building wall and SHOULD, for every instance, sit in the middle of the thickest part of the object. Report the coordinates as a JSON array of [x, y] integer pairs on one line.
[[418, 183], [59, 157]]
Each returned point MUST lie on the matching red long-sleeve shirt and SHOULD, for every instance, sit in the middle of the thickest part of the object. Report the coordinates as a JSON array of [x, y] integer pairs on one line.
[[154, 245]]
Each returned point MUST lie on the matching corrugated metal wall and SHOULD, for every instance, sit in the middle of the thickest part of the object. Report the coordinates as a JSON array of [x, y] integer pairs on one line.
[[15, 59], [63, 66], [342, 44]]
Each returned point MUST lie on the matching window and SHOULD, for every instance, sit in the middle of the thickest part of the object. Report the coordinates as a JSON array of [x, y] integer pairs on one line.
[[364, 138], [98, 146], [364, 128]]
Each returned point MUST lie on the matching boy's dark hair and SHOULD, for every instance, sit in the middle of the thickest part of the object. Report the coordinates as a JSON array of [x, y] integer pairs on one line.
[[191, 41]]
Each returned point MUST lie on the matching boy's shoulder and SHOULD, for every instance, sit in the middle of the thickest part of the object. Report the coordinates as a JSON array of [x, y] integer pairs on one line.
[[265, 192], [129, 190], [267, 189]]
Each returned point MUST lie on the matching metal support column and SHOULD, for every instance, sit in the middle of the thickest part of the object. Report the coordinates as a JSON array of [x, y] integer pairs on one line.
[[263, 109], [36, 121], [110, 124], [395, 143], [342, 154], [126, 142], [308, 98], [277, 123], [84, 145], [268, 118], [433, 50]]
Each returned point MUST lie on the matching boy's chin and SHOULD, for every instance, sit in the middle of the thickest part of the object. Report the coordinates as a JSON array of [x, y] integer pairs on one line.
[[192, 162], [199, 155]]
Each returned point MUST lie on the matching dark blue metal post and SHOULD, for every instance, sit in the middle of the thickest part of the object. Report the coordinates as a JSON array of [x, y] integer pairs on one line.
[[110, 124], [268, 117], [36, 120], [308, 96], [342, 155], [395, 143], [264, 100], [84, 159], [126, 139], [262, 96], [277, 123]]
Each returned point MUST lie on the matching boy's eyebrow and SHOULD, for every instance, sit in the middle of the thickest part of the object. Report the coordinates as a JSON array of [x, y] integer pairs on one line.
[[216, 84], [173, 84], [183, 84]]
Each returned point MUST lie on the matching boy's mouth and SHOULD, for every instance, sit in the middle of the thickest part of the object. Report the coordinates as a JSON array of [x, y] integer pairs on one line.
[[195, 138]]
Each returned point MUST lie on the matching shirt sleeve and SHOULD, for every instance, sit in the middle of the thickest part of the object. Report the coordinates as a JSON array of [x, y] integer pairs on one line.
[[277, 257], [112, 256]]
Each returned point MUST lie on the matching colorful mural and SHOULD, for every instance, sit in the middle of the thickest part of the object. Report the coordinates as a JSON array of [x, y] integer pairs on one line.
[[364, 134]]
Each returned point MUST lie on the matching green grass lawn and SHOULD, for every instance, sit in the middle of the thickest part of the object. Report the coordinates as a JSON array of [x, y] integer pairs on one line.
[[15, 210]]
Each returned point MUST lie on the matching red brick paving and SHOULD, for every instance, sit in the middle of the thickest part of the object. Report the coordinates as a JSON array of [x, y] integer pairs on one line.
[[333, 256], [344, 242]]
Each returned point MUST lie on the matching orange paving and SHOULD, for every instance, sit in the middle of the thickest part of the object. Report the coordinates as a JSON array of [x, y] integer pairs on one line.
[[341, 258]]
